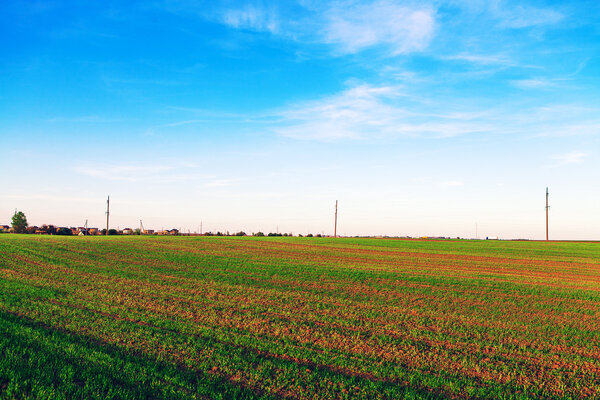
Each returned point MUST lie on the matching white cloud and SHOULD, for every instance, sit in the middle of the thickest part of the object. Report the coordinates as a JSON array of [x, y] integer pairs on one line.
[[449, 184], [532, 83], [368, 112], [123, 172], [252, 17], [355, 28], [185, 122], [45, 197], [481, 59], [83, 119], [526, 16], [219, 183], [349, 26], [573, 157], [570, 129]]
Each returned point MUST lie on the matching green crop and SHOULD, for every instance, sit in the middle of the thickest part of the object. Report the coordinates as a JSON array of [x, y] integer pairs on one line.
[[251, 318]]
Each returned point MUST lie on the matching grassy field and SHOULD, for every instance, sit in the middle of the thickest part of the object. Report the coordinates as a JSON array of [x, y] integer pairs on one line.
[[223, 317]]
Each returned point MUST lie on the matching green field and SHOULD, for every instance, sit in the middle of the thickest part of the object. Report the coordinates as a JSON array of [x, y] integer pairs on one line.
[[223, 317]]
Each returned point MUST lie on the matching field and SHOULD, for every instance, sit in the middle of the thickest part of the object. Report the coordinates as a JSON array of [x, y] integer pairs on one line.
[[224, 317]]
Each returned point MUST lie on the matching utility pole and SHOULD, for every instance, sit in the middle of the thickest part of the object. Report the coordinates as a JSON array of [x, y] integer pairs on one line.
[[335, 223], [201, 227], [547, 207], [107, 213]]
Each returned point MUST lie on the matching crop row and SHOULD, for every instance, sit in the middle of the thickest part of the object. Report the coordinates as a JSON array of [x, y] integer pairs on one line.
[[253, 318]]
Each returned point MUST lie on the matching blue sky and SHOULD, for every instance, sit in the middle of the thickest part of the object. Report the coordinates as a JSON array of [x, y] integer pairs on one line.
[[421, 118]]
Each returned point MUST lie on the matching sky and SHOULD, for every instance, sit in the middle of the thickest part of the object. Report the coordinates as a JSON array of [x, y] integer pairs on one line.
[[422, 118]]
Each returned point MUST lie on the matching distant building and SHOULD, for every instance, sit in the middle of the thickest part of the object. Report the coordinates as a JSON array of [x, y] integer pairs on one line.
[[148, 231], [4, 228], [51, 229], [127, 231]]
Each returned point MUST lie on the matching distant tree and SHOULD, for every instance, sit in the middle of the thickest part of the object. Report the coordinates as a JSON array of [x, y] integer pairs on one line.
[[64, 231], [309, 235], [113, 232], [103, 231], [240, 233], [30, 230], [259, 234], [137, 231], [19, 222], [300, 235], [319, 235]]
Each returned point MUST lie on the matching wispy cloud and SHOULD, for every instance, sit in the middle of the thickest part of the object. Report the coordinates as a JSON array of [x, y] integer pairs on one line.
[[161, 173], [369, 112], [356, 27], [535, 83], [450, 184], [484, 59], [136, 81], [217, 183], [84, 119], [524, 16], [572, 157], [129, 173], [185, 122], [45, 197], [252, 17], [562, 129], [348, 26]]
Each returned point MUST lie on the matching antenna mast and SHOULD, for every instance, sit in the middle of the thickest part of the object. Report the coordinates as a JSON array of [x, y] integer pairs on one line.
[[335, 223], [141, 228], [547, 207], [107, 213]]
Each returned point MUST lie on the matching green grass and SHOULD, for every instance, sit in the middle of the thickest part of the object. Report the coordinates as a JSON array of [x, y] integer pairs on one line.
[[221, 317]]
